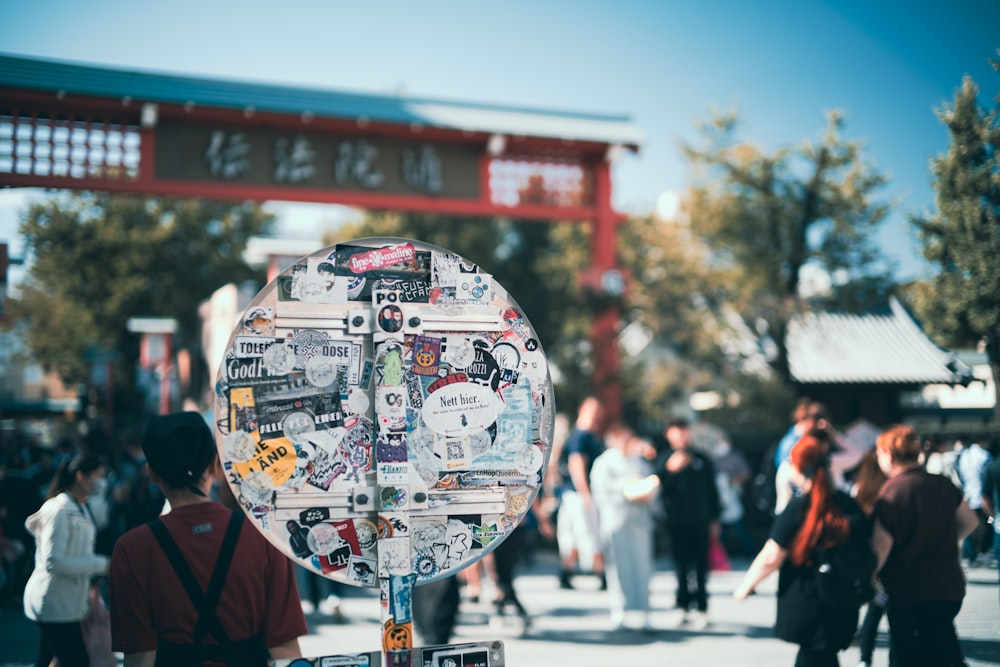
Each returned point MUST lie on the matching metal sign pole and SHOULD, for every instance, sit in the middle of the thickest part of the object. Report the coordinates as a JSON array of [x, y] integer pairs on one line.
[[385, 415]]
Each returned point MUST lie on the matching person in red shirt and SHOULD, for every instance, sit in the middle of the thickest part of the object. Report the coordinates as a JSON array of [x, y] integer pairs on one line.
[[249, 612]]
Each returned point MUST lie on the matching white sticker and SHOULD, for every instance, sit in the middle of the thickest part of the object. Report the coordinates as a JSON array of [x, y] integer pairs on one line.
[[239, 446], [460, 409]]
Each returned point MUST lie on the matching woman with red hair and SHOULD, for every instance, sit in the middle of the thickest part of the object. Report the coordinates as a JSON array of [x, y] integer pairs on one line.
[[819, 518]]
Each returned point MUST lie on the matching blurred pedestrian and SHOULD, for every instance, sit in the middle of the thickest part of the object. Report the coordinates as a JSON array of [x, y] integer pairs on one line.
[[819, 518], [867, 484], [971, 463], [623, 487], [732, 474], [991, 503], [577, 525], [920, 519], [690, 499], [168, 602], [435, 610], [814, 419], [56, 596]]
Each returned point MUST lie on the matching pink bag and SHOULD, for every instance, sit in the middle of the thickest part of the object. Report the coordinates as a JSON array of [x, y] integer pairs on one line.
[[718, 560]]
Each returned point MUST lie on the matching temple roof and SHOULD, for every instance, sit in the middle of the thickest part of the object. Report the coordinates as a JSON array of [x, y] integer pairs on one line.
[[62, 77], [832, 348]]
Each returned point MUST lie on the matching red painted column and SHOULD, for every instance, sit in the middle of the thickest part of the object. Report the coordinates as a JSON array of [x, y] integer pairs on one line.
[[605, 378]]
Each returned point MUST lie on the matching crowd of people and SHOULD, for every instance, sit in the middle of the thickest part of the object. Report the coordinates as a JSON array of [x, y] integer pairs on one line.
[[612, 502], [915, 510]]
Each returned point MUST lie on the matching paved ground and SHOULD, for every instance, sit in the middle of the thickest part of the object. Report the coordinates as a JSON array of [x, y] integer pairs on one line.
[[574, 626]]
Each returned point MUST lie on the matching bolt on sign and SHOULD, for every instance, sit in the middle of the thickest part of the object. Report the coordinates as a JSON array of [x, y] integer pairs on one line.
[[385, 418]]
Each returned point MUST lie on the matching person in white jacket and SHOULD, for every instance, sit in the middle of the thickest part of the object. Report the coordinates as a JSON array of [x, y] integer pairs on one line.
[[56, 595], [623, 487]]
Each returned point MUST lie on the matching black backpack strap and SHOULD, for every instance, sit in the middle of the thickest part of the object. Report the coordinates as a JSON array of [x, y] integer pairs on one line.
[[203, 603], [219, 574]]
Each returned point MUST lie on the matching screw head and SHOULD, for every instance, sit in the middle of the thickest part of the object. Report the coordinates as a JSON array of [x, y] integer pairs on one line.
[[414, 321], [419, 496], [358, 321], [361, 498]]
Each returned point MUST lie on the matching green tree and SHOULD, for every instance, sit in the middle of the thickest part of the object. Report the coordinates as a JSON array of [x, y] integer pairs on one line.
[[98, 259], [766, 217], [961, 303]]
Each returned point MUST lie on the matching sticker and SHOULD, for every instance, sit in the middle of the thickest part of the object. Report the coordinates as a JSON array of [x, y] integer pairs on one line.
[[486, 533], [393, 473], [314, 515], [484, 369], [474, 289], [276, 459], [401, 597], [279, 359], [394, 556], [381, 258], [390, 406], [359, 461], [321, 371], [431, 539], [453, 453], [460, 409], [390, 318], [252, 347], [530, 459], [393, 498], [298, 539], [320, 284], [259, 321], [517, 504], [457, 657], [247, 372], [239, 446], [459, 352], [397, 637], [367, 534], [460, 542], [506, 355], [389, 364], [357, 401], [425, 566], [323, 539], [426, 355], [242, 410], [298, 418], [361, 571], [257, 488], [308, 344], [391, 448], [356, 287]]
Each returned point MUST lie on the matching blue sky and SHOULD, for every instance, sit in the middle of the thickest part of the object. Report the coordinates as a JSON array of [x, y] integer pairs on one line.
[[665, 63]]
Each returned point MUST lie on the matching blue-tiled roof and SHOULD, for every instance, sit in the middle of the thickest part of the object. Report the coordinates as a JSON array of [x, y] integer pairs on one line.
[[830, 348], [145, 86]]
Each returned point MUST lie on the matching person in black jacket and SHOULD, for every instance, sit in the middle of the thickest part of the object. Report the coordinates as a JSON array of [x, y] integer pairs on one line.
[[819, 519], [691, 501]]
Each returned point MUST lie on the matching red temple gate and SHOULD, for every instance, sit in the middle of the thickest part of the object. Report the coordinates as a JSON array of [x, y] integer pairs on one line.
[[71, 126]]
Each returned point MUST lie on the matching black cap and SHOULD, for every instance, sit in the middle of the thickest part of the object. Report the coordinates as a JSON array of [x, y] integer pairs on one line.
[[179, 447]]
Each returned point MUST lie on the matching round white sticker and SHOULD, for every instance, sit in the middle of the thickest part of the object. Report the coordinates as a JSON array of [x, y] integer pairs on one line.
[[460, 409]]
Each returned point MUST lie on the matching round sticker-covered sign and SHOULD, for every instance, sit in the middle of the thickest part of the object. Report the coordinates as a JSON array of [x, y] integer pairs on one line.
[[385, 412]]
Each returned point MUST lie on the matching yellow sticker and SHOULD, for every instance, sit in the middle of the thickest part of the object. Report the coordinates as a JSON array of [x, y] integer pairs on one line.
[[275, 458]]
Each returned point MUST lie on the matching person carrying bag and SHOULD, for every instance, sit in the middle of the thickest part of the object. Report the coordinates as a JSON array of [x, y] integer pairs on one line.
[[818, 523]]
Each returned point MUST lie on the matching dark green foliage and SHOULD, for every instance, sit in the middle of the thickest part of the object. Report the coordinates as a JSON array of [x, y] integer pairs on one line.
[[961, 303], [99, 259]]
